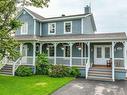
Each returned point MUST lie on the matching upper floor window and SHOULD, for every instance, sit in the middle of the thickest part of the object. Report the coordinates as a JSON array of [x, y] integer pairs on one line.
[[52, 28], [24, 28], [68, 27]]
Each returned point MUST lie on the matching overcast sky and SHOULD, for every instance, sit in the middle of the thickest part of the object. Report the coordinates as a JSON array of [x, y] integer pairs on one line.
[[109, 15]]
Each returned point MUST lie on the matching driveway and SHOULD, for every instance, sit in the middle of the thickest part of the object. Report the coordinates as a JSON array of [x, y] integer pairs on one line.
[[90, 87]]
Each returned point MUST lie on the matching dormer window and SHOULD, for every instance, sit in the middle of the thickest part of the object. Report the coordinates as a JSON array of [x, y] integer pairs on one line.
[[67, 27], [52, 28], [24, 28]]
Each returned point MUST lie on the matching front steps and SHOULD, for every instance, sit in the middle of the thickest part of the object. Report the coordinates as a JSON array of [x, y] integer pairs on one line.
[[6, 70], [102, 74]]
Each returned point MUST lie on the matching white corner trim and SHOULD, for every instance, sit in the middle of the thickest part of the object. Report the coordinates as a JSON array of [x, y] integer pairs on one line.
[[49, 29], [40, 29], [34, 27], [64, 27], [82, 25]]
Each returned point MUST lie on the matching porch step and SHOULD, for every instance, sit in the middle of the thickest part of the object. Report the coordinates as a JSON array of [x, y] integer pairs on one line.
[[104, 74], [7, 70]]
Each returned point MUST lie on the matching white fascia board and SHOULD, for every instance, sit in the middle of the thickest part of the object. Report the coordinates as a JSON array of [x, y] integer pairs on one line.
[[64, 18]]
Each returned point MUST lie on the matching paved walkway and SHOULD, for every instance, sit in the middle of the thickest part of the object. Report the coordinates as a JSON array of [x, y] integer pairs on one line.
[[89, 87]]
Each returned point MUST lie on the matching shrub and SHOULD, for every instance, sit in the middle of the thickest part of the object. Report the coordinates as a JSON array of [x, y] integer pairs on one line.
[[74, 72], [42, 65], [58, 71], [24, 71]]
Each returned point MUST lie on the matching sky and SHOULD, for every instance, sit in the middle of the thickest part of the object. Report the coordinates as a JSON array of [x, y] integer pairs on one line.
[[109, 15]]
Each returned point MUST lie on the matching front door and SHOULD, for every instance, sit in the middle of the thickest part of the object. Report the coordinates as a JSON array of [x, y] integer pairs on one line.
[[102, 53]]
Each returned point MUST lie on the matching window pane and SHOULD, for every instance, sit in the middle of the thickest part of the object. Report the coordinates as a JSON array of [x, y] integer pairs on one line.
[[52, 27], [51, 51], [107, 52], [67, 27], [99, 52]]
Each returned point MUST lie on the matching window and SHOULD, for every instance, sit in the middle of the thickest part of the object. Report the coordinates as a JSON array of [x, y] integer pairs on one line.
[[67, 51], [99, 52], [51, 51], [52, 28], [107, 52], [24, 28], [68, 27]]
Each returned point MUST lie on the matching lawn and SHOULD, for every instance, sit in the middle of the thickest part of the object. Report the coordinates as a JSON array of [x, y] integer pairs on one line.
[[34, 85]]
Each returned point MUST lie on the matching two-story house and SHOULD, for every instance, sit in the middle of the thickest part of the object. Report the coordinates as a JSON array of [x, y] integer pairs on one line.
[[71, 41]]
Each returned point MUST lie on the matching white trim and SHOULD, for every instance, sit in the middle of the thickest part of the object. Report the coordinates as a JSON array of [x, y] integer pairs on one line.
[[113, 68], [65, 29], [40, 29], [71, 54], [49, 29], [65, 18], [82, 21], [24, 9], [34, 27]]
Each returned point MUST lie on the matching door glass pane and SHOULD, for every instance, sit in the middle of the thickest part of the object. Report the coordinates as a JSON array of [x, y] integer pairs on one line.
[[107, 52], [99, 52]]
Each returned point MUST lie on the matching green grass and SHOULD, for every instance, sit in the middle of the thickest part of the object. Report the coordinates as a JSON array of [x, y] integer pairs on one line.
[[34, 85]]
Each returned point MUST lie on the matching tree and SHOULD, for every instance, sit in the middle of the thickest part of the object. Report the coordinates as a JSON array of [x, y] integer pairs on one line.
[[8, 23]]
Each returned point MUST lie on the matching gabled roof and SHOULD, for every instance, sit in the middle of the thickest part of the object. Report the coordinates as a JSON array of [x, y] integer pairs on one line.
[[31, 13], [76, 37]]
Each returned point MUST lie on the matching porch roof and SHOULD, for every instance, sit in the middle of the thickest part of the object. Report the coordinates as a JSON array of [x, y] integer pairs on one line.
[[74, 37]]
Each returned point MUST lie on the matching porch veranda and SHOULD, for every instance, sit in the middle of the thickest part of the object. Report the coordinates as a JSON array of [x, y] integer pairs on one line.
[[64, 53]]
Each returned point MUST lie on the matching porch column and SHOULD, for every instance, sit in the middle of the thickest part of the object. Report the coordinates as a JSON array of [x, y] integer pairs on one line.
[[34, 55], [125, 55], [21, 47], [82, 54], [70, 54], [41, 48], [55, 44], [113, 66], [88, 52]]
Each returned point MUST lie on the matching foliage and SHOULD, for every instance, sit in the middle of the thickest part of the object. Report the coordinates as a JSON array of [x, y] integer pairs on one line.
[[36, 3], [32, 85], [24, 71], [74, 71], [58, 71], [42, 65], [9, 24], [63, 71]]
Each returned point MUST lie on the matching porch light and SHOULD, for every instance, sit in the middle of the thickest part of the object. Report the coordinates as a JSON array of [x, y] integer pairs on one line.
[[62, 48], [79, 46]]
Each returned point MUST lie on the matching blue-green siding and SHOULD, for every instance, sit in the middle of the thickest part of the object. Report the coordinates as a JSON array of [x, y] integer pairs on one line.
[[26, 18]]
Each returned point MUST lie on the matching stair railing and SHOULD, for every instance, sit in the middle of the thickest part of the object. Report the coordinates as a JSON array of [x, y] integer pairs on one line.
[[16, 64], [87, 68]]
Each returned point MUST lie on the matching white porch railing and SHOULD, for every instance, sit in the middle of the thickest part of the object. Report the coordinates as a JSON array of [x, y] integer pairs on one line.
[[27, 60], [63, 60], [16, 64], [51, 60], [119, 63], [79, 61]]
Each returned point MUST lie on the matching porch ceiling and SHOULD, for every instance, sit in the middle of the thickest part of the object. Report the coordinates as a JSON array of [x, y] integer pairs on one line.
[[74, 37]]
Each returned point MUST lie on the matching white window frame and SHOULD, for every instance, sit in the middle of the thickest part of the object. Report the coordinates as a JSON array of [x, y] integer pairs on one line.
[[65, 25], [49, 29], [25, 30]]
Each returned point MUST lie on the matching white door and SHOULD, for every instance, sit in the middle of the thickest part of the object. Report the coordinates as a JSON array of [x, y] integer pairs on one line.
[[24, 54], [102, 53]]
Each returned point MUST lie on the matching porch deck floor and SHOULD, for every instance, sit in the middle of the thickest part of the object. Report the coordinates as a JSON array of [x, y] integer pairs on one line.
[[101, 66]]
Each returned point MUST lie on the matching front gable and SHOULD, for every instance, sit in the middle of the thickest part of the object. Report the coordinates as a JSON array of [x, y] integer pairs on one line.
[[25, 17]]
